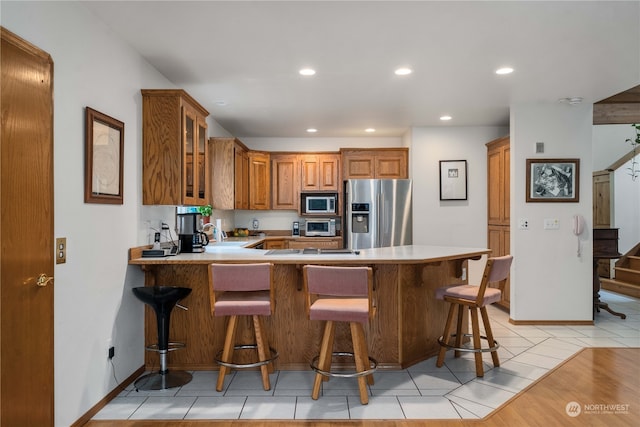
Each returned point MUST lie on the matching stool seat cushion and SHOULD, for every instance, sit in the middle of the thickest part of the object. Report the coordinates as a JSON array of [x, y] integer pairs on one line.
[[340, 309], [243, 303], [469, 292]]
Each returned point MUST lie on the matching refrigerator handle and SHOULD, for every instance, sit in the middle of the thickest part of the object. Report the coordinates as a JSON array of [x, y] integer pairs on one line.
[[380, 220]]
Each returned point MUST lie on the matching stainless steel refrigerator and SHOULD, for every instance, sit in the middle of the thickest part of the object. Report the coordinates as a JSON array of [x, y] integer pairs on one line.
[[377, 213]]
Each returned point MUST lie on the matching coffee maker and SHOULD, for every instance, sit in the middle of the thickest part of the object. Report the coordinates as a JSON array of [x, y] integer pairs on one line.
[[191, 238]]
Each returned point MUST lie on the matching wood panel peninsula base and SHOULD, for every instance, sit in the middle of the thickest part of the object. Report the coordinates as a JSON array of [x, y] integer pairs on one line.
[[403, 332]]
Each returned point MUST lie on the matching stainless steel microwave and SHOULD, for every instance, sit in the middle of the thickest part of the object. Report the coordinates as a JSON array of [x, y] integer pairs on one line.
[[320, 227], [319, 203]]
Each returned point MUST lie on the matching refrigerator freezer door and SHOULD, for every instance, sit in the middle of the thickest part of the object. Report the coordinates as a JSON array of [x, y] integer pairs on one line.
[[377, 213]]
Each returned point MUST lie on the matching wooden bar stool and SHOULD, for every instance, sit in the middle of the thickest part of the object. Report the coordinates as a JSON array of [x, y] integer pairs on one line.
[[476, 298], [341, 294], [243, 290]]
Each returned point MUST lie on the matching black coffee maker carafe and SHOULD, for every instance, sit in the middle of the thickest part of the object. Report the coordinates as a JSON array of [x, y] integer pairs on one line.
[[190, 235]]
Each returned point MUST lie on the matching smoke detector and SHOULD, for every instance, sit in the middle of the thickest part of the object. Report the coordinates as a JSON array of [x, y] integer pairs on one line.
[[575, 100]]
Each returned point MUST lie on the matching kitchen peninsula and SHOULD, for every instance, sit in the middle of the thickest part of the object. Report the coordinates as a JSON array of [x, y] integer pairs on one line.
[[404, 331]]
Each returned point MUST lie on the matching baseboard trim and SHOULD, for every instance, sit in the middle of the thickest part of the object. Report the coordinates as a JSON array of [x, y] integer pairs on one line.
[[108, 398], [551, 322]]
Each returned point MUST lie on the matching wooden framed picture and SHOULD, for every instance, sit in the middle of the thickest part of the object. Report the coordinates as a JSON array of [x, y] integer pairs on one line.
[[453, 180], [553, 180], [104, 158]]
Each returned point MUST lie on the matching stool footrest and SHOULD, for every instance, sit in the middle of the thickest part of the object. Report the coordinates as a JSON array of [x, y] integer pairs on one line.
[[274, 356], [467, 349], [172, 347], [373, 366]]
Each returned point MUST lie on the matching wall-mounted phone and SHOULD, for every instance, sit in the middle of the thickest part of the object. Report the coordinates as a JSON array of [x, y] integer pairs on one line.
[[578, 224], [578, 228]]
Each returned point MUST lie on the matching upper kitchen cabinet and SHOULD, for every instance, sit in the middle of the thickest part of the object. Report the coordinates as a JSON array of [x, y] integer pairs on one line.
[[259, 180], [381, 163], [320, 172], [175, 169], [229, 173], [285, 181]]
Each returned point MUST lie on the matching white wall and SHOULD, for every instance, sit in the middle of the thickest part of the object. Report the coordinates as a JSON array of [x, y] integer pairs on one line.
[[93, 303], [609, 145], [626, 207], [549, 281], [451, 223]]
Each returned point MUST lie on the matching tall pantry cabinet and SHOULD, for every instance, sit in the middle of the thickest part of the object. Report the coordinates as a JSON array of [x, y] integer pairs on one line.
[[498, 186]]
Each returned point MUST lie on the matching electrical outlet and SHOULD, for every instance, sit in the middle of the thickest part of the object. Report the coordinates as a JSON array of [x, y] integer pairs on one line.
[[256, 224], [112, 352], [523, 224]]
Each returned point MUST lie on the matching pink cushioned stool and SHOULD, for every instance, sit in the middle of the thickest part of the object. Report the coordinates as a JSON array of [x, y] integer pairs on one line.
[[341, 294], [243, 290], [475, 298]]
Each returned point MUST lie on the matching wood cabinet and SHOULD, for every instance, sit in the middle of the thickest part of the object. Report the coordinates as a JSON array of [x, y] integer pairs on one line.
[[241, 184], [259, 180], [382, 163], [275, 244], [229, 174], [316, 242], [498, 203], [320, 172], [498, 166], [175, 160], [285, 181]]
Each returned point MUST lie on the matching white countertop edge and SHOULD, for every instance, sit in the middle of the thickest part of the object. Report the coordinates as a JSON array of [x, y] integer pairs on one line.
[[395, 253]]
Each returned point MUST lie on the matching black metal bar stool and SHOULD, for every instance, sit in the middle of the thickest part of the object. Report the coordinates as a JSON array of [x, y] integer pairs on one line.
[[162, 299]]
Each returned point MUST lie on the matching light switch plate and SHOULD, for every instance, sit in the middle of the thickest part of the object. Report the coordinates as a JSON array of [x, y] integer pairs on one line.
[[61, 250]]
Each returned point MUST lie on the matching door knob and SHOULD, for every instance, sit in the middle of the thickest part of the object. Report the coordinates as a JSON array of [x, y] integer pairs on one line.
[[43, 280]]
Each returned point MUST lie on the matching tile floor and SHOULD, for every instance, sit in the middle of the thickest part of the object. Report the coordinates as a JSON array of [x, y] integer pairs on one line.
[[419, 392]]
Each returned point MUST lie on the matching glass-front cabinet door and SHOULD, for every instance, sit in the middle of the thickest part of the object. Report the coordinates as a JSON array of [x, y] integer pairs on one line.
[[195, 174], [202, 163], [189, 177]]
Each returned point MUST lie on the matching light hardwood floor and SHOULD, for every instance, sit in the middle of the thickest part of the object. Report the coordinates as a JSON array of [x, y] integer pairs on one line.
[[592, 378]]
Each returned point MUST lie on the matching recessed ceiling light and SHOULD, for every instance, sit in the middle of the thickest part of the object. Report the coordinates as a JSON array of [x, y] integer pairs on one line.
[[445, 118], [221, 103], [307, 72], [369, 130], [403, 71], [504, 70], [312, 130]]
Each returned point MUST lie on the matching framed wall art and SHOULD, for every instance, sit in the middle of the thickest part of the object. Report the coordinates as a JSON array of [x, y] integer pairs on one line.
[[453, 180], [553, 180], [104, 158]]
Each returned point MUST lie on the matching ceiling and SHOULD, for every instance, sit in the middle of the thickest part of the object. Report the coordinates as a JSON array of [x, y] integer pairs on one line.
[[240, 59]]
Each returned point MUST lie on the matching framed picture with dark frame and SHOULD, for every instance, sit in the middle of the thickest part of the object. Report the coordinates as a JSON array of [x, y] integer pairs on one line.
[[553, 180], [104, 158], [453, 180]]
